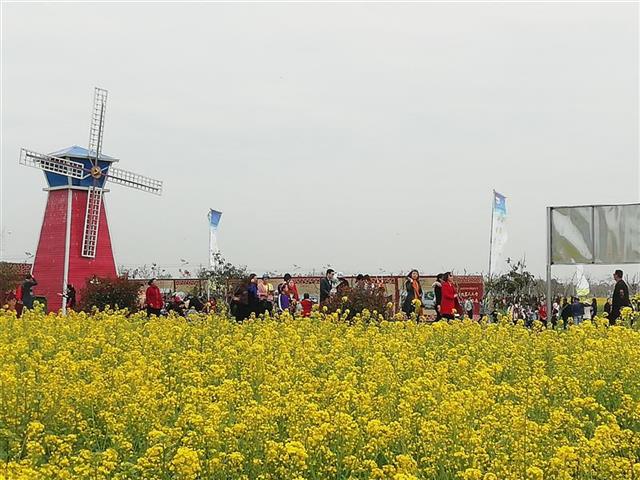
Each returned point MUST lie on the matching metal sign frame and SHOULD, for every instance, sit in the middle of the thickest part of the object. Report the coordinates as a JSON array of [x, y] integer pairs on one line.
[[593, 249]]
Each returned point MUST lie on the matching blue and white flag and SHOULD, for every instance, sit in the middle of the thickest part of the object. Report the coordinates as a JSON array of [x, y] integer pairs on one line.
[[498, 230], [214, 221]]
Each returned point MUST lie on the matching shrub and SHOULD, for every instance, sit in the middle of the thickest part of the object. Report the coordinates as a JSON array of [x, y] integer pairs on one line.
[[10, 277], [358, 299], [102, 292]]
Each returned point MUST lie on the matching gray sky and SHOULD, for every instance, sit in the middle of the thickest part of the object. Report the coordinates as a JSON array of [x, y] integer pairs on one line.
[[363, 136]]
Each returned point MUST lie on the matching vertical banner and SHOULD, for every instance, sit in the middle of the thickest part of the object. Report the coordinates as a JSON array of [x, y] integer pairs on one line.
[[498, 230], [214, 220]]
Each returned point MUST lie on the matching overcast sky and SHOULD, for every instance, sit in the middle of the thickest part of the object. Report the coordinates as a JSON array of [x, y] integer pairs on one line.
[[364, 136]]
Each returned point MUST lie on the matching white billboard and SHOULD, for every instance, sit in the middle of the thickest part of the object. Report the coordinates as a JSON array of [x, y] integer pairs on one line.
[[596, 234]]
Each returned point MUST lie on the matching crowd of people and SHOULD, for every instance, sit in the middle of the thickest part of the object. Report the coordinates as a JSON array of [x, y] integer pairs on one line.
[[23, 297], [257, 295], [572, 308], [447, 303], [155, 303]]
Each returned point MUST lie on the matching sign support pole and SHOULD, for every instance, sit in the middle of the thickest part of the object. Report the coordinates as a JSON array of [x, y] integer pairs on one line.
[[548, 300]]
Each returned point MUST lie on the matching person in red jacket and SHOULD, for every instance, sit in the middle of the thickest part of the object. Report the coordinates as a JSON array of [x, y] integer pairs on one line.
[[542, 313], [153, 298], [307, 305], [450, 305], [293, 288]]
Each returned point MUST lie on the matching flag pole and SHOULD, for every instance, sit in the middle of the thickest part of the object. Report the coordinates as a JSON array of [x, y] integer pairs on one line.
[[210, 239], [493, 201]]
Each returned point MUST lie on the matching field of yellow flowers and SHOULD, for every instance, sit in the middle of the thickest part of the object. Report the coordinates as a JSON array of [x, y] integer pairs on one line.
[[113, 396]]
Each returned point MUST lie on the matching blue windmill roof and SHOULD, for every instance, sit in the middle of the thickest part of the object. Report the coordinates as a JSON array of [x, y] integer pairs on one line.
[[75, 151]]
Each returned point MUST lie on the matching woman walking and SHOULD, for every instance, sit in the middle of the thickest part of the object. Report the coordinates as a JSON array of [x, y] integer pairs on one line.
[[450, 305], [414, 292]]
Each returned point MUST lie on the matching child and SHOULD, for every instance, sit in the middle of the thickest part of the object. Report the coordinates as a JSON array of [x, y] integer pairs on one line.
[[284, 301], [306, 304]]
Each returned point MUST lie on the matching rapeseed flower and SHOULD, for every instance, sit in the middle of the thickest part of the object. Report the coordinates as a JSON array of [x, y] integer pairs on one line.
[[111, 396]]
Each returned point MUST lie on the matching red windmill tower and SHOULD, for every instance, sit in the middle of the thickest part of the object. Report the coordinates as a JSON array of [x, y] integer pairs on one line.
[[75, 243]]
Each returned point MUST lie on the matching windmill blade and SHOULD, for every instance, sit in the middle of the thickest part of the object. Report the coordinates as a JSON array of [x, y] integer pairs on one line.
[[61, 166], [134, 180], [97, 123], [92, 221]]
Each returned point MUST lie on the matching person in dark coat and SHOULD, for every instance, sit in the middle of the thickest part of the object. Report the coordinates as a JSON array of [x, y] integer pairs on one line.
[[620, 298], [252, 290], [27, 293], [326, 285], [566, 312], [577, 311], [71, 297], [414, 292], [437, 292], [594, 308], [240, 302], [177, 305]]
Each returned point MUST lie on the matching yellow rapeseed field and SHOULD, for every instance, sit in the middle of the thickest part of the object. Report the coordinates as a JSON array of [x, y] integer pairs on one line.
[[109, 396]]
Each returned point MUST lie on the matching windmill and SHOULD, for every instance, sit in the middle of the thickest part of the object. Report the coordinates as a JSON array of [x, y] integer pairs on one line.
[[74, 243]]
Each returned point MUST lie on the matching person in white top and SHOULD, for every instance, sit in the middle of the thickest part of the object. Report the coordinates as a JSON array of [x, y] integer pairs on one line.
[[468, 307], [587, 311]]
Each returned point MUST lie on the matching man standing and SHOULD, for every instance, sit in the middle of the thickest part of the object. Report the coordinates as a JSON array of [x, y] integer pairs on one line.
[[620, 297], [326, 284], [577, 310], [27, 294]]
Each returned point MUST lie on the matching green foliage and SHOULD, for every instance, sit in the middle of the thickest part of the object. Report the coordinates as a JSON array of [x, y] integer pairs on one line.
[[517, 285], [10, 278], [113, 292], [517, 281], [221, 275], [358, 299]]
